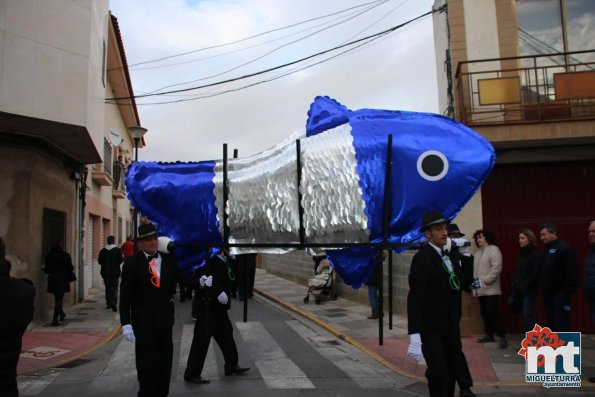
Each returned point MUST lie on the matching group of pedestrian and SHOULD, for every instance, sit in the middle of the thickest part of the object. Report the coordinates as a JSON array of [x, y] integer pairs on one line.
[[442, 269]]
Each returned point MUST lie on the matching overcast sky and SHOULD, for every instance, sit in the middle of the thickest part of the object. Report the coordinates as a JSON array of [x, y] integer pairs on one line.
[[397, 71]]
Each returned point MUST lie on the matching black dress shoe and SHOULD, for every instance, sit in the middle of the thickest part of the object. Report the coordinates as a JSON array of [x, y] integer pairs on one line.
[[486, 339], [236, 371], [467, 393], [199, 380], [503, 343]]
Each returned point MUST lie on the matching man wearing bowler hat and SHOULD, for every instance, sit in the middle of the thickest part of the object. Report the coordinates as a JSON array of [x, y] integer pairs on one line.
[[434, 306], [147, 291]]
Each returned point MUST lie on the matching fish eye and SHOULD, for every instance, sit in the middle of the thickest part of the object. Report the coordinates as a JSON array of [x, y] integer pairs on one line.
[[432, 165]]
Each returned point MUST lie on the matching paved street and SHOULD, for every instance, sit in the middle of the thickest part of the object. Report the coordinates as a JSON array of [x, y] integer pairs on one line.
[[286, 355], [292, 347]]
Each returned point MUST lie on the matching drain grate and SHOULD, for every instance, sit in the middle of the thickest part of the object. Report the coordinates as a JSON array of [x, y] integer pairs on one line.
[[74, 363]]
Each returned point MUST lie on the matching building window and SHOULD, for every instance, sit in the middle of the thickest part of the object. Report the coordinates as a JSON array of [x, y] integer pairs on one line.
[[107, 157], [54, 229], [543, 29], [119, 231]]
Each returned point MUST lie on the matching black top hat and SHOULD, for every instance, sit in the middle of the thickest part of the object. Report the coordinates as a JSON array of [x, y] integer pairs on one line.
[[453, 230], [146, 230], [432, 218]]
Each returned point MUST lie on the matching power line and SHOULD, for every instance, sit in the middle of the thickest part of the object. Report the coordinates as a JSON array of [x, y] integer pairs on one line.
[[259, 34], [266, 54], [387, 31], [266, 80]]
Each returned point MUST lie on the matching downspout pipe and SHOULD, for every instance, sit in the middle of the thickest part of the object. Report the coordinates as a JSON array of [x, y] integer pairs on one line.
[[82, 181]]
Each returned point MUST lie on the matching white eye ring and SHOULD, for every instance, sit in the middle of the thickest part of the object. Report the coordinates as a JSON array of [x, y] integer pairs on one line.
[[426, 170]]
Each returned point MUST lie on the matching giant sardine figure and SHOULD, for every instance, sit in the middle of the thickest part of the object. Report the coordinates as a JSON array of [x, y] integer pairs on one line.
[[437, 164]]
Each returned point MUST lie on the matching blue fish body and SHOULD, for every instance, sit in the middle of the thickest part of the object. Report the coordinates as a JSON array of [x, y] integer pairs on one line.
[[437, 164]]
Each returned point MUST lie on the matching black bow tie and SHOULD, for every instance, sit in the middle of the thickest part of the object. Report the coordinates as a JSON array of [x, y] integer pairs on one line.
[[151, 257], [444, 252]]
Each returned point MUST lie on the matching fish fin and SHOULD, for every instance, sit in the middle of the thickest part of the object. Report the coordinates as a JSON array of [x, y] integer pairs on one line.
[[325, 113]]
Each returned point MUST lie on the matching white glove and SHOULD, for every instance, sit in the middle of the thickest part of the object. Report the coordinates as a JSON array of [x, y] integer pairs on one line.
[[128, 332], [203, 281], [463, 246], [414, 351], [222, 298], [209, 281]]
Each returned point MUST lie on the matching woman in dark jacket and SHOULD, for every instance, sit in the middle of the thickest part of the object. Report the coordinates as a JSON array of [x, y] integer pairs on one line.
[[58, 266], [527, 275]]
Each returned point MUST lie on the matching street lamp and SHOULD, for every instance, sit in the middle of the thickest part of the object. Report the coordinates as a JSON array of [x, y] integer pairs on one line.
[[137, 133]]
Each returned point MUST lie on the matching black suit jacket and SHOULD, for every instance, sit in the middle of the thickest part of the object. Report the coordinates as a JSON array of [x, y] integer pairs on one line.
[[218, 268], [141, 303], [433, 307]]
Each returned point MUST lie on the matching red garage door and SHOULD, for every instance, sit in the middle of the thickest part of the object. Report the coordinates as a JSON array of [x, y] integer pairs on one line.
[[529, 194]]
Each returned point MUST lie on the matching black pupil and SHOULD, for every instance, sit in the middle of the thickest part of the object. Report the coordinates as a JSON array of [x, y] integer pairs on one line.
[[432, 165]]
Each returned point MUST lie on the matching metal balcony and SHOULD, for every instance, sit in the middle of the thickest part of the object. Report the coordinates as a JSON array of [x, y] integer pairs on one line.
[[526, 89]]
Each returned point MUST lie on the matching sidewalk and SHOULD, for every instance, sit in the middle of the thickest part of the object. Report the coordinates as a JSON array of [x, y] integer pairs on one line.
[[89, 325]]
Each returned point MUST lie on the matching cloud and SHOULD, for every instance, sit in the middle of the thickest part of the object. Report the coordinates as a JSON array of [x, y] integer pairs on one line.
[[396, 72]]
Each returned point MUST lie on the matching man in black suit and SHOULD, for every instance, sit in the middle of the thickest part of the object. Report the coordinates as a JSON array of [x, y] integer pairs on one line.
[[147, 291], [434, 306], [212, 320]]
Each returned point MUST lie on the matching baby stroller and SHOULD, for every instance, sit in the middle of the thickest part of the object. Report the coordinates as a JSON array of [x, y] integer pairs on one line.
[[322, 285]]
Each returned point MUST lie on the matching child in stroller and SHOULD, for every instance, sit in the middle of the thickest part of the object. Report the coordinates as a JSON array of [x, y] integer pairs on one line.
[[322, 285]]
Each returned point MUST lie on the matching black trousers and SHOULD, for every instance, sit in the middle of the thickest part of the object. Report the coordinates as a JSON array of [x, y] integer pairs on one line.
[[154, 354], [213, 322], [245, 279], [491, 315], [10, 349], [442, 355], [111, 291]]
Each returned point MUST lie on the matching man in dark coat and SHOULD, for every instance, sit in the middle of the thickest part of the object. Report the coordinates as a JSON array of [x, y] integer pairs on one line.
[[58, 266], [147, 292], [559, 278], [16, 306], [434, 306], [212, 320], [110, 258]]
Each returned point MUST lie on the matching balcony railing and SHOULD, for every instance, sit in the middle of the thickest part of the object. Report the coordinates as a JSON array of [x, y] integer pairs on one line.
[[526, 89]]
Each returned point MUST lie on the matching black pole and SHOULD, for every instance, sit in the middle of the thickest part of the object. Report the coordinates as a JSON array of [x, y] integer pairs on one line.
[[385, 225], [225, 225], [390, 289], [135, 213], [298, 157], [245, 265], [379, 263]]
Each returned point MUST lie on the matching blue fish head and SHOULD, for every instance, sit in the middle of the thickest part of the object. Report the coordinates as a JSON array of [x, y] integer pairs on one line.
[[436, 163]]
